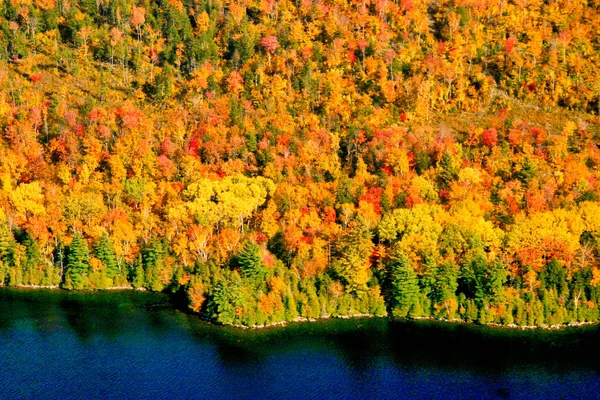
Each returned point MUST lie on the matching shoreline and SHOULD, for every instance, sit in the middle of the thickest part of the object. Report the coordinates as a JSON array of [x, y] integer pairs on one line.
[[556, 327], [280, 324], [297, 319], [546, 328], [58, 288]]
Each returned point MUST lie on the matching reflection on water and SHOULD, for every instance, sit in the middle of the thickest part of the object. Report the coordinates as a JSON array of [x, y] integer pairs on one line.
[[64, 345]]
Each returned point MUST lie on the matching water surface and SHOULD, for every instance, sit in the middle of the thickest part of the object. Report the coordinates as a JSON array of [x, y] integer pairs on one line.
[[129, 345]]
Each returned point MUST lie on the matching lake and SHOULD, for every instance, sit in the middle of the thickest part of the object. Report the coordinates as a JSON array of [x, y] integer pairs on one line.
[[130, 345]]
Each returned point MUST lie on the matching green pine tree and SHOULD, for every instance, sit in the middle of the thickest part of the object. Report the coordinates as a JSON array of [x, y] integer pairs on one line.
[[290, 307], [250, 262], [554, 277], [404, 286], [444, 294], [77, 263], [226, 298], [136, 275], [104, 252], [427, 278], [31, 273], [447, 169], [152, 259], [7, 246]]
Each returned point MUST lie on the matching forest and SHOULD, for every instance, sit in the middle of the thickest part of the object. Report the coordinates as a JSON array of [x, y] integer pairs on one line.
[[283, 159]]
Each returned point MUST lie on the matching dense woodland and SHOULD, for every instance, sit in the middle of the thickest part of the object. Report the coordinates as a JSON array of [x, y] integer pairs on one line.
[[306, 158]]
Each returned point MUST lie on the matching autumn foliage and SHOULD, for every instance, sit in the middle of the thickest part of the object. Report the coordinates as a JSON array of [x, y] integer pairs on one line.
[[284, 159]]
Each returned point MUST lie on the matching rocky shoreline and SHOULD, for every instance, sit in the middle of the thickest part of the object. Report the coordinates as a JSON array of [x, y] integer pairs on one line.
[[572, 324], [56, 287], [509, 326]]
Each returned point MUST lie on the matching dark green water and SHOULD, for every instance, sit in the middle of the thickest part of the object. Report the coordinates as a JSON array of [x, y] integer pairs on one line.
[[131, 345]]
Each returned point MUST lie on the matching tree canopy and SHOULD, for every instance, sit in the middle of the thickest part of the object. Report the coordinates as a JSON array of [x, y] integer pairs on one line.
[[281, 159]]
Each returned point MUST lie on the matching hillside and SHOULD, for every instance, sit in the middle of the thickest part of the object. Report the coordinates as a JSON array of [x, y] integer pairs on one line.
[[276, 159]]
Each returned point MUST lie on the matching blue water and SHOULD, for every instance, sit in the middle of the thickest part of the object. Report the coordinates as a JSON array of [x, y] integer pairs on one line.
[[135, 345]]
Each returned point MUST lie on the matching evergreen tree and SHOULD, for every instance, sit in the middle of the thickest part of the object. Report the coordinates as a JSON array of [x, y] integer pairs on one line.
[[428, 277], [77, 263], [484, 315], [226, 299], [497, 276], [152, 260], [482, 281], [163, 85], [471, 311], [447, 169], [445, 289], [31, 273], [32, 251], [250, 262], [312, 307], [520, 313], [104, 252], [422, 162], [136, 273], [290, 307], [7, 245], [507, 317], [404, 286], [554, 277]]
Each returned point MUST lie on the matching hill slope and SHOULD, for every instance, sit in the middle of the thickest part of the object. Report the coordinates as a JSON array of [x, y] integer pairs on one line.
[[278, 159]]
